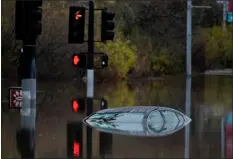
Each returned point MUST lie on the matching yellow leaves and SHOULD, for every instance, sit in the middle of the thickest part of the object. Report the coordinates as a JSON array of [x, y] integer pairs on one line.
[[121, 96], [218, 42], [121, 56], [160, 60]]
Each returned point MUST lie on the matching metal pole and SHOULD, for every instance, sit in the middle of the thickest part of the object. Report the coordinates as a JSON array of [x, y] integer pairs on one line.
[[90, 57], [222, 139], [26, 136], [232, 51], [19, 69], [189, 39], [188, 113], [224, 15], [90, 74]]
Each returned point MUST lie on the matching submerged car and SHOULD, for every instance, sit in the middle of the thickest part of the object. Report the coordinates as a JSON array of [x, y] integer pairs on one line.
[[138, 121]]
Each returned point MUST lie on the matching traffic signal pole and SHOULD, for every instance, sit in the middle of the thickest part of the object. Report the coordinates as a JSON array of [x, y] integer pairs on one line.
[[189, 36], [90, 74], [28, 27], [26, 136]]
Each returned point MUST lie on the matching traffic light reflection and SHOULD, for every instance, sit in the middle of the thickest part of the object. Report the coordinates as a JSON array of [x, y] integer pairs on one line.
[[75, 105], [76, 149]]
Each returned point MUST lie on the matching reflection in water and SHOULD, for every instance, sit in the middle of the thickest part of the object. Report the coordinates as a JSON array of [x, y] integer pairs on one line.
[[138, 121], [188, 113], [226, 136], [211, 100], [75, 144], [74, 139]]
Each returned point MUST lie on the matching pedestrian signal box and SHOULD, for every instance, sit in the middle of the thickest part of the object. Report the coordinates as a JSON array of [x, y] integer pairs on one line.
[[74, 140], [78, 105], [79, 60]]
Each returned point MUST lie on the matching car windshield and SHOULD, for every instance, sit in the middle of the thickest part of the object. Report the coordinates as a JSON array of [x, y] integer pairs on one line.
[[163, 121]]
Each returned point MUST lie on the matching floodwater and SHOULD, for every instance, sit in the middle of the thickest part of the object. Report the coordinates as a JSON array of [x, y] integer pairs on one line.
[[210, 99]]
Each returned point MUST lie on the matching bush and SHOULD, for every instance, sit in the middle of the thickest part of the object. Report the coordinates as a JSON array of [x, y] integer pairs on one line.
[[218, 43], [122, 57], [163, 62], [121, 96]]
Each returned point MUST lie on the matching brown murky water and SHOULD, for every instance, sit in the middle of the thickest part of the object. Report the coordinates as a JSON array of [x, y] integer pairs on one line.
[[211, 98]]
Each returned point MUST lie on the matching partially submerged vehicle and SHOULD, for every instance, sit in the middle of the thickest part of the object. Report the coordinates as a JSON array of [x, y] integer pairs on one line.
[[138, 120]]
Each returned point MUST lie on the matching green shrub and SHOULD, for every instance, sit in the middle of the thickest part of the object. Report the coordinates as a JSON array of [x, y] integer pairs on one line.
[[121, 56], [218, 43]]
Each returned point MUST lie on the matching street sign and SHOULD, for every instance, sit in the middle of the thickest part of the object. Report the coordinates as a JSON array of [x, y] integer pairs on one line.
[[15, 95], [230, 5], [230, 17]]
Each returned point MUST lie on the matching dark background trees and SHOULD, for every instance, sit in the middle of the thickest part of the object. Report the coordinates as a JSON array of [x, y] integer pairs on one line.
[[150, 39]]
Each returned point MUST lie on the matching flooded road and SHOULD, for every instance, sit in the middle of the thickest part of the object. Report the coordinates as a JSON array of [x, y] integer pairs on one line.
[[211, 99]]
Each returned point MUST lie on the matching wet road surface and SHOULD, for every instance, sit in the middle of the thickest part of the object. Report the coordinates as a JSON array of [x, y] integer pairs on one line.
[[211, 99]]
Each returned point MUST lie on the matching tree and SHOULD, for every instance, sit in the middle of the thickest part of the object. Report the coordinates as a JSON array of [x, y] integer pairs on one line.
[[122, 56], [218, 44], [9, 44]]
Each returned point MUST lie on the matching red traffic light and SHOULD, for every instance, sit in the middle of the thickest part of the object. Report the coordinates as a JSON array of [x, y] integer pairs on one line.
[[75, 59], [75, 105], [76, 25], [78, 105], [79, 60], [76, 149], [77, 15]]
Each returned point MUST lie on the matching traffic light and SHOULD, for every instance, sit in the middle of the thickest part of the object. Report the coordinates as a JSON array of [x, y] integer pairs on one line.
[[105, 143], [78, 105], [33, 16], [74, 140], [108, 25], [79, 60], [103, 104], [19, 19], [76, 24], [104, 60], [25, 142]]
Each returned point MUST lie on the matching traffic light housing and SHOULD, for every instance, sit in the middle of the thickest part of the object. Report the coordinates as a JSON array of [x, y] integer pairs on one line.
[[104, 60], [108, 25], [78, 105], [25, 143], [76, 24], [74, 140], [103, 104], [105, 143], [33, 17], [19, 19], [79, 60], [28, 15]]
